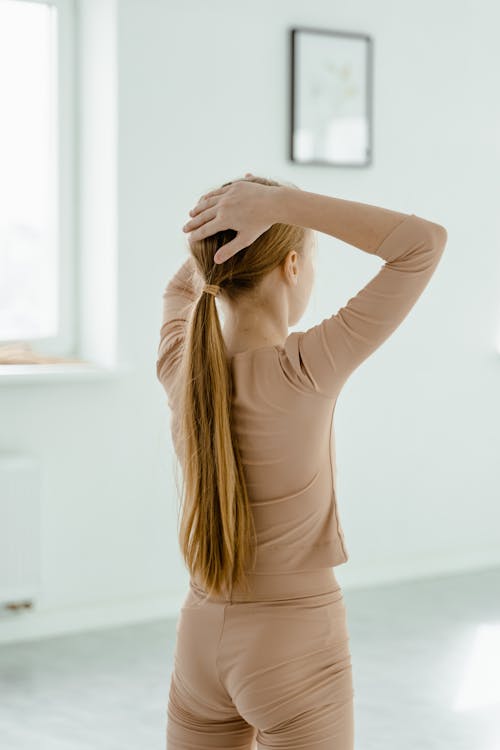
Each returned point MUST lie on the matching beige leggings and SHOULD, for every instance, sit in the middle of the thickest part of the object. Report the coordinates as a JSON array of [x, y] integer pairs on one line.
[[269, 669]]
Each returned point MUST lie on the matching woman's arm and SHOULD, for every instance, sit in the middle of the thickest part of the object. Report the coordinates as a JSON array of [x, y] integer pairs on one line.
[[326, 354], [179, 297], [362, 225]]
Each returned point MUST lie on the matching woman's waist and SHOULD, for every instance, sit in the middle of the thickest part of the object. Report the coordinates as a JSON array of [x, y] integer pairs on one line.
[[274, 586]]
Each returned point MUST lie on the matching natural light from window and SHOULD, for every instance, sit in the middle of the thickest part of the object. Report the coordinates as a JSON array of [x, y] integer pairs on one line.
[[29, 263], [480, 684]]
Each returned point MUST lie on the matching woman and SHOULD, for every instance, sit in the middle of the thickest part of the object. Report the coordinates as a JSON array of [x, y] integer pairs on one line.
[[262, 652]]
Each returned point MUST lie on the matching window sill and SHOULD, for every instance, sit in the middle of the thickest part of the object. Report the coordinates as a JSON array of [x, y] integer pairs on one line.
[[59, 373]]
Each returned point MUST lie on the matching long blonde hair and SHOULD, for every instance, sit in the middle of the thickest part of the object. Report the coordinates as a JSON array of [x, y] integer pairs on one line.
[[217, 532]]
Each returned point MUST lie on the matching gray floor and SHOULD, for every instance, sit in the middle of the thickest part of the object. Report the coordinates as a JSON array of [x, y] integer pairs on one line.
[[411, 645]]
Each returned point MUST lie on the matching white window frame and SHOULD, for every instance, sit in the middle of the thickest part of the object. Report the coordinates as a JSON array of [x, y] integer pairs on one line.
[[64, 343]]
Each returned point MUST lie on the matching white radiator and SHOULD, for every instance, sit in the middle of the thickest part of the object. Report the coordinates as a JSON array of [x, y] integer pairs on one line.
[[20, 547]]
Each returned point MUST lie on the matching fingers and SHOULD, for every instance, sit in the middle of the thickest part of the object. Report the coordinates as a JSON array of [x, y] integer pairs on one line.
[[202, 204], [209, 199], [201, 218], [228, 250], [211, 227], [218, 191]]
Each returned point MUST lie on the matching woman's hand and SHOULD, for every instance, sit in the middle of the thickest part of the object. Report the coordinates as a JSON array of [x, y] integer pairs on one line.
[[246, 207]]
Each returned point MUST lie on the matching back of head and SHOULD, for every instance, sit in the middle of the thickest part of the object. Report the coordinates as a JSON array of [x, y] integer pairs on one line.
[[217, 534]]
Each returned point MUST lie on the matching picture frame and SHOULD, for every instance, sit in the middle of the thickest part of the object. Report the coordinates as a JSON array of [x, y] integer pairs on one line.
[[331, 97]]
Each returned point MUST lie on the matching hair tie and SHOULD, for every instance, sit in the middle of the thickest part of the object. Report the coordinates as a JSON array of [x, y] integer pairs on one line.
[[211, 289]]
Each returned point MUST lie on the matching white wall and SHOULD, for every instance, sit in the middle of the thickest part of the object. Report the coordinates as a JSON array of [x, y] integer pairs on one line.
[[203, 97]]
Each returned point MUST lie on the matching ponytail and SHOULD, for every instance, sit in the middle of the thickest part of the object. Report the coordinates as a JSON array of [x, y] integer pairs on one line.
[[217, 529]]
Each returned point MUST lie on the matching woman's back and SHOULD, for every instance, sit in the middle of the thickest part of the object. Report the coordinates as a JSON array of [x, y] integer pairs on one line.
[[284, 438], [284, 398]]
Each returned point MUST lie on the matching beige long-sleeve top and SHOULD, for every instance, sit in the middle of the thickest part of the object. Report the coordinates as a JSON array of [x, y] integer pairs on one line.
[[284, 396]]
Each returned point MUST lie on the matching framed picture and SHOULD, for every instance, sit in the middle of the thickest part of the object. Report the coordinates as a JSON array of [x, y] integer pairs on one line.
[[331, 97]]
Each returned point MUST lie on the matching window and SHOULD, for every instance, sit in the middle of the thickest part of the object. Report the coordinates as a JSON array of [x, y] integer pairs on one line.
[[37, 178]]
